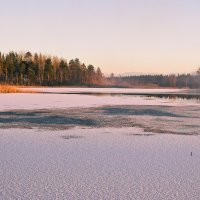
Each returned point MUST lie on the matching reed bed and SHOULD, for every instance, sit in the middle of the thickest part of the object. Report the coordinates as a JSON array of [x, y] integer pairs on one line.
[[8, 89], [13, 89]]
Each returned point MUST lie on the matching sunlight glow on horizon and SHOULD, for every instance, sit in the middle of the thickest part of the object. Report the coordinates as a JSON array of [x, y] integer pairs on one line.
[[119, 36]]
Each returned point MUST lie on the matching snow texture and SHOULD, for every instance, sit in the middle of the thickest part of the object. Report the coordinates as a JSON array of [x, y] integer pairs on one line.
[[99, 147], [98, 164], [44, 101]]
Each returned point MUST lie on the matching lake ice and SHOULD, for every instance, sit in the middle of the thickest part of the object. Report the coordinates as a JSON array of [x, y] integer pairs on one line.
[[131, 155]]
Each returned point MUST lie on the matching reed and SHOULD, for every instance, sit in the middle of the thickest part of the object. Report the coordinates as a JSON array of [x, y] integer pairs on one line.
[[9, 89]]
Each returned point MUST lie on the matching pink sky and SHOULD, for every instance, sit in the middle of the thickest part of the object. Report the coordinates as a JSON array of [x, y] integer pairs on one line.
[[147, 36]]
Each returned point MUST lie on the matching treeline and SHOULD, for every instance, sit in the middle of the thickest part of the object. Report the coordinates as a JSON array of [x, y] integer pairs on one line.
[[180, 80], [39, 69]]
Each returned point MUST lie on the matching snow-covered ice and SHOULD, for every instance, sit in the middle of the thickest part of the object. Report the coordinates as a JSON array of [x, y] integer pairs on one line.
[[98, 164], [52, 161], [43, 101], [101, 90]]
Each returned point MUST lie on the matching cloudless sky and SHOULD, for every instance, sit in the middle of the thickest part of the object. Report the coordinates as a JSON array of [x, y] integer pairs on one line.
[[147, 36]]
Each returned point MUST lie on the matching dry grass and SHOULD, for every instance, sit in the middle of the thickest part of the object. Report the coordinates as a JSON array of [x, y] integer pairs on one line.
[[12, 89], [8, 89]]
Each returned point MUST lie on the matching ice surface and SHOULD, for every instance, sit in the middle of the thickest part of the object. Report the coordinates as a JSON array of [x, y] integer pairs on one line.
[[154, 118], [98, 164], [102, 90], [43, 101]]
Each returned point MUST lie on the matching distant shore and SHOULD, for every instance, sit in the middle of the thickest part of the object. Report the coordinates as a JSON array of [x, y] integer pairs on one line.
[[18, 88]]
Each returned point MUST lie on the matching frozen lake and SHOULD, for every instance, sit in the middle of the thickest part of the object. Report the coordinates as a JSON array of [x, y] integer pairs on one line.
[[76, 146], [102, 90], [98, 164], [76, 97]]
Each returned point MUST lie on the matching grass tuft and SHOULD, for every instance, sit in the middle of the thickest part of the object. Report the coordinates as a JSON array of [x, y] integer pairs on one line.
[[8, 89], [13, 89]]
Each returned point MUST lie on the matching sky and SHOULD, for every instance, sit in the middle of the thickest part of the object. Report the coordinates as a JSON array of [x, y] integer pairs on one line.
[[119, 36]]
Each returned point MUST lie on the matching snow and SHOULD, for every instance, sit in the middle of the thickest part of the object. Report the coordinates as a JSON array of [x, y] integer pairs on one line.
[[98, 164], [102, 90], [44, 101]]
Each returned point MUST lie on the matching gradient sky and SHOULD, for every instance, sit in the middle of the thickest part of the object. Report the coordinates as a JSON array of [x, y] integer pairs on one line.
[[147, 36]]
